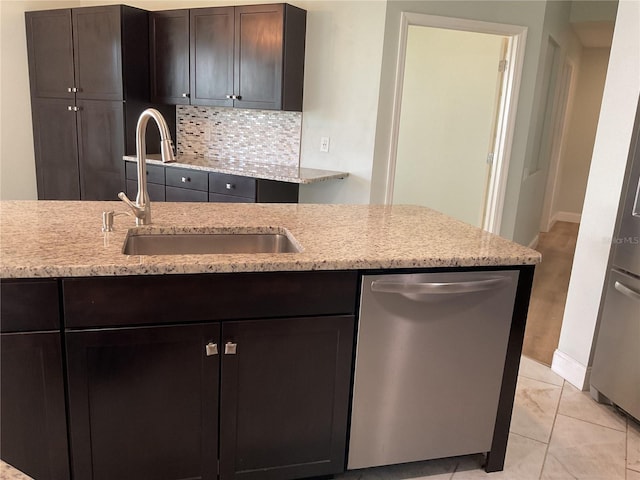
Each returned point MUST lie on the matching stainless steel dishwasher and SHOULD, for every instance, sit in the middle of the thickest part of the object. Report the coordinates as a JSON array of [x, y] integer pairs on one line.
[[429, 361]]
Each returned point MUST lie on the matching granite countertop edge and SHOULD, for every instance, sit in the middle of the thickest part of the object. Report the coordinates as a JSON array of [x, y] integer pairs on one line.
[[266, 171]]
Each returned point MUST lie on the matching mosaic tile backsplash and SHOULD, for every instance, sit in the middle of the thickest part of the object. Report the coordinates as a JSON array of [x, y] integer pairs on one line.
[[236, 134]]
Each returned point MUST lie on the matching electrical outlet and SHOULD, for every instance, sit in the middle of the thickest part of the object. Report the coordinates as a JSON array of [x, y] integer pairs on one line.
[[324, 144]]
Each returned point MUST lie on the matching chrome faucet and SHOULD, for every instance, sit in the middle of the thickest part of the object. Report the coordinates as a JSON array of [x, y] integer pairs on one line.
[[142, 207]]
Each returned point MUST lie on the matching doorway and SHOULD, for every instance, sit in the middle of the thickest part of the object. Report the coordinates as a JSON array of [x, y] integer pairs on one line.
[[456, 84]]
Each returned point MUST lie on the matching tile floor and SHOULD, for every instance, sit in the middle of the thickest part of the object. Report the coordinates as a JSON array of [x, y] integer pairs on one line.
[[557, 433]]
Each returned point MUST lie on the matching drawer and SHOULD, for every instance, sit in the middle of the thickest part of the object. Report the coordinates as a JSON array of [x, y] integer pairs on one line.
[[184, 178], [219, 197], [156, 191], [155, 173], [176, 194], [29, 305], [232, 185]]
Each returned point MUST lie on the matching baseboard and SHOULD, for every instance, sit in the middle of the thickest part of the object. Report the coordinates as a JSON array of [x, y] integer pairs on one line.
[[571, 370], [534, 243], [566, 217]]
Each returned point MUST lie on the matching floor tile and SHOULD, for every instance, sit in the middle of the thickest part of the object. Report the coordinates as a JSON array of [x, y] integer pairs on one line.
[[583, 450], [633, 475], [523, 462], [633, 446], [577, 404], [534, 409], [532, 369]]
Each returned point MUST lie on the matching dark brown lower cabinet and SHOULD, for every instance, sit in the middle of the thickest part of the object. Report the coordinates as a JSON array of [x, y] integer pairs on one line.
[[284, 397], [143, 402], [32, 408]]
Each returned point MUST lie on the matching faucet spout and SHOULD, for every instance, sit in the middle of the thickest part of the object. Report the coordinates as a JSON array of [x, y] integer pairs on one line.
[[142, 206]]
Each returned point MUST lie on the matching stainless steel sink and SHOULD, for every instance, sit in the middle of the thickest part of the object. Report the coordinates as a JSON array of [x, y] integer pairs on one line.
[[208, 242]]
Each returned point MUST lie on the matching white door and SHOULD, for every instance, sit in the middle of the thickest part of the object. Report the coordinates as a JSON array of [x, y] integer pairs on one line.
[[450, 98]]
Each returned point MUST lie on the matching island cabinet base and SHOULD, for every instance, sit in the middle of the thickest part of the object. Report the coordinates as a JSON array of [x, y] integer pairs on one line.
[[210, 390]]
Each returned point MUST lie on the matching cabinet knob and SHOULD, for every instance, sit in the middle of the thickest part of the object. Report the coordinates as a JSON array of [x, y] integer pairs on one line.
[[237, 97], [230, 348], [230, 97], [185, 179], [73, 108], [230, 186], [211, 349], [72, 90], [186, 95]]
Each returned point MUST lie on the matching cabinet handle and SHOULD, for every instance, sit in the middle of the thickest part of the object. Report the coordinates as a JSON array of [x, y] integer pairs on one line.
[[629, 292], [73, 108], [72, 90], [230, 348], [185, 179], [230, 186], [186, 95], [211, 349], [237, 97], [230, 97]]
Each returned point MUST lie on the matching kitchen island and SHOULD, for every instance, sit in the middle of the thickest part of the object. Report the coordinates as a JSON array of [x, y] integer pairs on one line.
[[197, 366]]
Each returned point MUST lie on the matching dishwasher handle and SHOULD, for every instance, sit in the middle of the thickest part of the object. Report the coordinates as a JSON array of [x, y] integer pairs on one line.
[[438, 288]]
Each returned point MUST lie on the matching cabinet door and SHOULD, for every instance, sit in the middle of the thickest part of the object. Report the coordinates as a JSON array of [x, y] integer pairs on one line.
[[33, 433], [50, 51], [212, 56], [258, 56], [143, 402], [56, 149], [100, 149], [284, 397], [97, 44], [169, 52]]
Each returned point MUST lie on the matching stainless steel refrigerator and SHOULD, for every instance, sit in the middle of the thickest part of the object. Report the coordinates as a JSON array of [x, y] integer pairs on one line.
[[615, 374]]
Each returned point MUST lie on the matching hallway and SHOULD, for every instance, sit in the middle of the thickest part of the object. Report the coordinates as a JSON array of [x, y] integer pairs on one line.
[[549, 294]]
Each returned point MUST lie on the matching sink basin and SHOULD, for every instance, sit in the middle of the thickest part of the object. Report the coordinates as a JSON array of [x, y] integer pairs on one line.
[[221, 241]]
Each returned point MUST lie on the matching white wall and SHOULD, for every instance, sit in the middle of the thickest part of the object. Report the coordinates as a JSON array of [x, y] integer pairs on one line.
[[580, 136], [343, 58], [613, 138], [17, 161], [449, 94]]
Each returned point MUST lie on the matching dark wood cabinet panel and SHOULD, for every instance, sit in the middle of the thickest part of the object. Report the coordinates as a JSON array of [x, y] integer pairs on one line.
[[33, 432], [56, 149], [258, 66], [97, 44], [221, 198], [169, 56], [284, 397], [269, 56], [29, 305], [100, 149], [143, 402], [50, 48], [176, 194], [161, 299], [186, 178], [212, 56], [272, 191]]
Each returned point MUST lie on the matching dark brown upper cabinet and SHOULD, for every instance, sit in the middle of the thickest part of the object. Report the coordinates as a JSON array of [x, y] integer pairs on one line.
[[246, 57], [89, 77]]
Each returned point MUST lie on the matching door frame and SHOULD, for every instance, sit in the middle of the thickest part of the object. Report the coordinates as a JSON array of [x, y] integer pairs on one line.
[[507, 111]]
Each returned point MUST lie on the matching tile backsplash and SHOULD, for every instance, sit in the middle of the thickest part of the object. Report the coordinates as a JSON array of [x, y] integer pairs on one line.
[[264, 136]]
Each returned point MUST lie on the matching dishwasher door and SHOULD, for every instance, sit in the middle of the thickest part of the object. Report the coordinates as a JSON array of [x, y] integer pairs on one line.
[[430, 356]]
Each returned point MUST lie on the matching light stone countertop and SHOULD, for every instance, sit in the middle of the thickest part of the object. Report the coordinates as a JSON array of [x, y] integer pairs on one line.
[[282, 173], [64, 239]]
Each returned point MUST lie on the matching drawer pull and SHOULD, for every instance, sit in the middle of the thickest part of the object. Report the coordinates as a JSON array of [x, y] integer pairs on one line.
[[230, 186], [211, 349], [186, 95], [230, 348], [629, 292], [185, 179]]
